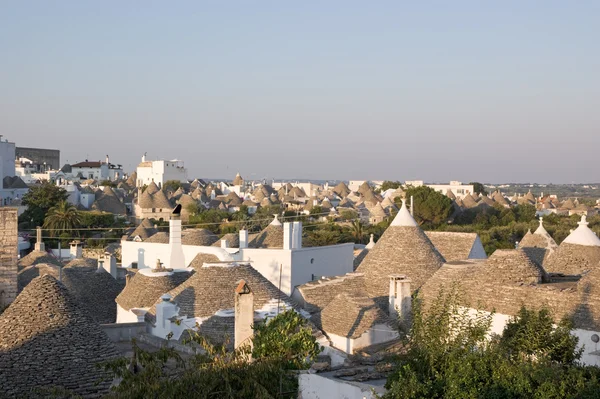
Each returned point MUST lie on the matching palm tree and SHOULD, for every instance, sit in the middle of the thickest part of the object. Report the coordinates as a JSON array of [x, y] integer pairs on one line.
[[62, 217], [358, 232]]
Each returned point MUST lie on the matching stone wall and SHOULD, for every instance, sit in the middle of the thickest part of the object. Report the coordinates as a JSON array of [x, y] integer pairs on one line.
[[8, 255]]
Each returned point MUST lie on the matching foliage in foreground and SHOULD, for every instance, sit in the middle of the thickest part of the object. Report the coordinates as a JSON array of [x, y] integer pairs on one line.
[[449, 355], [282, 345]]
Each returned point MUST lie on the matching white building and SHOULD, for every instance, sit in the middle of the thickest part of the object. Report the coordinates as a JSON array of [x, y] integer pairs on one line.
[[287, 266], [457, 188], [97, 170], [13, 188], [160, 172]]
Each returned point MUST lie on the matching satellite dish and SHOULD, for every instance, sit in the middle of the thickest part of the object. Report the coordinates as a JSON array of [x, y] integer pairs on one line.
[[595, 338]]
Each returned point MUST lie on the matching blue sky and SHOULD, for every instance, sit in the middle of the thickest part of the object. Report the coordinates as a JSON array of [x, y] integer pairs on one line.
[[333, 90]]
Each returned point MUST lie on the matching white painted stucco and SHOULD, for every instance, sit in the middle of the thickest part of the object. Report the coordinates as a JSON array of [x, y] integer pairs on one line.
[[317, 386], [477, 250], [378, 334], [146, 253], [126, 316]]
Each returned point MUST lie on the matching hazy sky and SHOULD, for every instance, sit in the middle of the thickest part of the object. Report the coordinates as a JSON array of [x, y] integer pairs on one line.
[[488, 91]]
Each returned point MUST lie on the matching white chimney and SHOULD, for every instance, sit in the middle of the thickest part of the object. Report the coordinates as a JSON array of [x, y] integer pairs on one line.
[[110, 265], [243, 239], [39, 244], [297, 235], [165, 310], [75, 250], [107, 160], [400, 304], [244, 315], [176, 260], [288, 235], [224, 244], [139, 313]]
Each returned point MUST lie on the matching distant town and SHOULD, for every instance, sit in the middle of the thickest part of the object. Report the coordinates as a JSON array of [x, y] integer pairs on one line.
[[146, 265]]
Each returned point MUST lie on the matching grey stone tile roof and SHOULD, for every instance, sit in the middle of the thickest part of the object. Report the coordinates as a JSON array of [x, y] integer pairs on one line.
[[160, 237], [573, 259], [270, 237], [452, 246], [468, 201], [539, 246], [400, 250], [514, 266], [238, 181], [211, 289], [578, 300], [144, 230], [202, 258], [341, 189], [316, 295], [37, 257], [232, 199], [143, 291], [233, 240], [152, 188], [26, 275], [198, 237], [47, 339], [95, 289], [109, 202], [351, 315]]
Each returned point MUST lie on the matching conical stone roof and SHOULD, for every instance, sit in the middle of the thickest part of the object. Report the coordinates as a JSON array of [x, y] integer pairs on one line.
[[238, 181], [578, 254], [402, 249], [48, 340]]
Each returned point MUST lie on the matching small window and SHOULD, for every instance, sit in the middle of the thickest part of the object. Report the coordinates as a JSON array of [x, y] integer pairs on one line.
[[134, 265]]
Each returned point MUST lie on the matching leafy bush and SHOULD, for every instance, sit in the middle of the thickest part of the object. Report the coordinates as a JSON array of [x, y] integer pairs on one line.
[[450, 356]]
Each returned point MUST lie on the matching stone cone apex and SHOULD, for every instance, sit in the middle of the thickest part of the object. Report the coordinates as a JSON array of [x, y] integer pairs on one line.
[[402, 249], [583, 235], [48, 333], [404, 218], [371, 243], [541, 230], [275, 221]]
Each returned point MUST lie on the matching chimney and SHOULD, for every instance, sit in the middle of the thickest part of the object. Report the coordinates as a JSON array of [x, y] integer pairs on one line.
[[110, 265], [297, 235], [75, 249], [288, 235], [107, 160], [165, 310], [39, 244], [224, 244], [412, 208], [144, 157], [243, 239], [400, 304], [176, 260], [140, 314], [244, 314]]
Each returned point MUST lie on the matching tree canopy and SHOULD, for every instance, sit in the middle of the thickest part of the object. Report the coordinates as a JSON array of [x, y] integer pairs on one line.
[[431, 207], [451, 356], [281, 345], [39, 200], [479, 188]]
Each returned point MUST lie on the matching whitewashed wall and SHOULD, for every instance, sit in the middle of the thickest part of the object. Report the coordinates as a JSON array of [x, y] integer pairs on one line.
[[146, 253]]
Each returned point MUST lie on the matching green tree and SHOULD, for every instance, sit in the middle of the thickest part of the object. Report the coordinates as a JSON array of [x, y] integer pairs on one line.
[[449, 355], [430, 207], [171, 185], [62, 218], [386, 185], [525, 212], [282, 345], [316, 211], [479, 188], [39, 199], [358, 232], [321, 238]]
